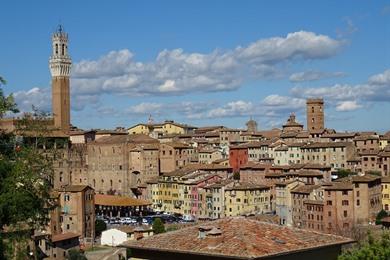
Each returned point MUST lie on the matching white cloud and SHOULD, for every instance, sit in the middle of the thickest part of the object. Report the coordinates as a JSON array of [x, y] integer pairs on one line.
[[37, 97], [376, 89], [347, 106], [175, 72], [178, 72], [312, 75], [380, 79], [235, 108]]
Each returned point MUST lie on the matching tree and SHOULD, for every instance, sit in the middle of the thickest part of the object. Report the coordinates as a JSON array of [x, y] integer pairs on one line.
[[341, 173], [158, 226], [7, 103], [100, 226], [25, 184], [74, 254], [378, 249], [380, 216]]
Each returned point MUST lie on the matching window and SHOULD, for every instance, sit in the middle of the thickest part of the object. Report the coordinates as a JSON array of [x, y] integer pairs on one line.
[[329, 203], [345, 202], [358, 203], [345, 192], [329, 213], [345, 213]]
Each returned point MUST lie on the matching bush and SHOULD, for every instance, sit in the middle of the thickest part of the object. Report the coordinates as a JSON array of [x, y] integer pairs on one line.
[[100, 226], [378, 249], [379, 217], [76, 255], [158, 226]]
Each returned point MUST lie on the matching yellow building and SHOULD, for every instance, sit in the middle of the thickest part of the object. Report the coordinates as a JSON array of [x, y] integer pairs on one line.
[[168, 127], [247, 198], [386, 193]]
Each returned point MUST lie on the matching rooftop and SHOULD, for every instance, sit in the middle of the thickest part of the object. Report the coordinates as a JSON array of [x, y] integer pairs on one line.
[[112, 200], [238, 237], [64, 236]]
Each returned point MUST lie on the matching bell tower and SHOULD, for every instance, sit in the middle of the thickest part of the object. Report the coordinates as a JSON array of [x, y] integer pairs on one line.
[[60, 65]]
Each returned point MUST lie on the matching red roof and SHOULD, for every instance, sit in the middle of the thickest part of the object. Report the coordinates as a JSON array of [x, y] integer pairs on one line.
[[237, 237]]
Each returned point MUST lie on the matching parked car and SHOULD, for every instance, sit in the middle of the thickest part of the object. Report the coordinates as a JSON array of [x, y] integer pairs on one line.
[[188, 218]]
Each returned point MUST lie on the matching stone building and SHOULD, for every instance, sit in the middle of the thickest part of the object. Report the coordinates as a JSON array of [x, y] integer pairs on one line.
[[350, 202], [247, 198], [118, 164], [315, 114], [283, 200], [313, 215], [334, 154], [292, 125], [174, 155], [367, 142], [74, 212], [299, 195], [251, 126]]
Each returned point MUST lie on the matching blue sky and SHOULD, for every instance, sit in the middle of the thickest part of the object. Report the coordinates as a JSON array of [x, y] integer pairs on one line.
[[205, 62]]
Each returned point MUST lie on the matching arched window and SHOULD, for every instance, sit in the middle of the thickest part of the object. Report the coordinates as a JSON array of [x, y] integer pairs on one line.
[[56, 48], [63, 49]]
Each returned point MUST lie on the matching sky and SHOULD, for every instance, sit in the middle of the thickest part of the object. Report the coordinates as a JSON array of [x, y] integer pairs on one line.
[[204, 62]]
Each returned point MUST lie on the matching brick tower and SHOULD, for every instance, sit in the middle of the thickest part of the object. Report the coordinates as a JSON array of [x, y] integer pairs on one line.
[[315, 114], [60, 65]]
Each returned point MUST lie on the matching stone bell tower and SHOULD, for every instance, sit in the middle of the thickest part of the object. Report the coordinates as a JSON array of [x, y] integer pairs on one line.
[[60, 65]]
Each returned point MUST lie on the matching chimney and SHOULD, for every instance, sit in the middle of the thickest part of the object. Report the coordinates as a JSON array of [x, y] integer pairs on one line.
[[214, 237], [203, 231], [138, 233]]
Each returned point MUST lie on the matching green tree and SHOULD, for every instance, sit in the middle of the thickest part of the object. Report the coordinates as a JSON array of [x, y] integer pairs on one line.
[[25, 184], [378, 249], [100, 226], [158, 226], [7, 103], [341, 173], [380, 216], [74, 254]]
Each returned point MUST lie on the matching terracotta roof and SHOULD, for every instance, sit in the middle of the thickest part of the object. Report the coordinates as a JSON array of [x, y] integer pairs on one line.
[[254, 165], [307, 189], [64, 236], [281, 148], [308, 173], [238, 237], [339, 135], [76, 188], [366, 137], [247, 186], [112, 200], [327, 145], [257, 144], [339, 186], [178, 145], [269, 134], [288, 134]]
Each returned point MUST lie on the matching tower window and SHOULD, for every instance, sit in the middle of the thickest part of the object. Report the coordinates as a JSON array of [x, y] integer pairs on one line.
[[63, 49], [56, 48], [312, 120], [312, 109]]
